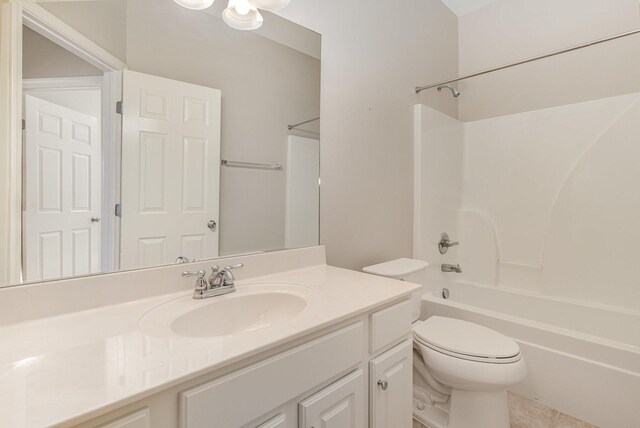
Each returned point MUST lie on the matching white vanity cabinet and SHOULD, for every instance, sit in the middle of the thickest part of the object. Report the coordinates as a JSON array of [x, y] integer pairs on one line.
[[328, 379]]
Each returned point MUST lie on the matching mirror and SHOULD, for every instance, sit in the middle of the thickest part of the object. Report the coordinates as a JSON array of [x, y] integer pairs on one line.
[[154, 134]]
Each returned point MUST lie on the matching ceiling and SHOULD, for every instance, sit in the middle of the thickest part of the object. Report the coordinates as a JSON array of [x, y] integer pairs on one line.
[[462, 7]]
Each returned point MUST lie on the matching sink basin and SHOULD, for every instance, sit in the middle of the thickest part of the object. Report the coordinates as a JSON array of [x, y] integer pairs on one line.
[[250, 308], [240, 314]]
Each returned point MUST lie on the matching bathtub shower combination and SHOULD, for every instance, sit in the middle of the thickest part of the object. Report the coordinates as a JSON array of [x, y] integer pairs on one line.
[[537, 178]]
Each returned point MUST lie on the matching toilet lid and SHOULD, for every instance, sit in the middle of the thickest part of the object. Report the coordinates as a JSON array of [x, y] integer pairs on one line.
[[465, 339], [399, 268]]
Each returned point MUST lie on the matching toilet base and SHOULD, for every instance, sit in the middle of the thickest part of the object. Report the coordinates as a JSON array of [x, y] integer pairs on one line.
[[467, 409], [478, 409], [431, 416]]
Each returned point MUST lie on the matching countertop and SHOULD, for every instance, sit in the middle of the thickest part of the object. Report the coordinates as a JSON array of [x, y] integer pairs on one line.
[[75, 366]]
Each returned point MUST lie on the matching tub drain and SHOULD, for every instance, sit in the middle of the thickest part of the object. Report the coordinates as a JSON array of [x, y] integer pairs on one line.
[[445, 293]]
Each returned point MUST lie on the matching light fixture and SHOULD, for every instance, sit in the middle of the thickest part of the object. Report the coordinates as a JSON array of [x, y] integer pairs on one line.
[[195, 4], [241, 15], [270, 5]]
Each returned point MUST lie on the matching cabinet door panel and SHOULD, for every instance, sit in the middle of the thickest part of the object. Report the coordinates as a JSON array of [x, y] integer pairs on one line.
[[391, 383], [340, 405]]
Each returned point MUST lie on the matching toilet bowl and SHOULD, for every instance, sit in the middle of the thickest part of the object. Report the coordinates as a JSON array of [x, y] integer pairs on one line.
[[475, 363], [461, 370]]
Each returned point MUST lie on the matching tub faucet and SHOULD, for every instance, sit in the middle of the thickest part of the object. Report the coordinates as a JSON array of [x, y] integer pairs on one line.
[[445, 243], [451, 268]]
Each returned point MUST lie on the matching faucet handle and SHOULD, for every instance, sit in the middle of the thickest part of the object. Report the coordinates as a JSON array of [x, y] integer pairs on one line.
[[238, 266], [199, 274], [201, 283]]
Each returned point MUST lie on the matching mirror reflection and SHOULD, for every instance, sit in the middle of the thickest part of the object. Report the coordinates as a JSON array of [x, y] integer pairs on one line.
[[155, 144]]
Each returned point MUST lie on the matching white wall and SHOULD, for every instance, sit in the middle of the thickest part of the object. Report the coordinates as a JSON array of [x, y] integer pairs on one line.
[[104, 22], [509, 30], [373, 55], [43, 58]]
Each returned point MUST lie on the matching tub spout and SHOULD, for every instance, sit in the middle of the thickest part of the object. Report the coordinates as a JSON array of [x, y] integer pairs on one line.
[[451, 268]]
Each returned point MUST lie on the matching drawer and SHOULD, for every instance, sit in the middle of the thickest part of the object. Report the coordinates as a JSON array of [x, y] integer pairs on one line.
[[242, 396], [390, 324]]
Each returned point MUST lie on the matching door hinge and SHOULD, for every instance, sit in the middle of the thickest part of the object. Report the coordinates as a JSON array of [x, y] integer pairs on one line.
[[119, 107], [118, 210], [24, 124]]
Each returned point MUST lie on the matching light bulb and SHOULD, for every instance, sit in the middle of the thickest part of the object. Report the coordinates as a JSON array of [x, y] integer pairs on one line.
[[243, 8], [195, 4], [270, 5], [240, 15]]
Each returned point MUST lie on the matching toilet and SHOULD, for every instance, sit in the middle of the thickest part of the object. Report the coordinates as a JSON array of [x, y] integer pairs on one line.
[[461, 370]]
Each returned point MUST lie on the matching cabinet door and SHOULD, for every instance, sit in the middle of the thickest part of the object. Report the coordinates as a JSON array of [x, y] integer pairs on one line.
[[340, 405], [391, 376]]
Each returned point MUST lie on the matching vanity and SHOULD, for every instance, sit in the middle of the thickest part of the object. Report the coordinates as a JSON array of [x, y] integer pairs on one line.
[[298, 344]]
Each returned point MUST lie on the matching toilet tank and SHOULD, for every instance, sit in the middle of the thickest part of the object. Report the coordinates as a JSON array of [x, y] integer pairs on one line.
[[404, 270]]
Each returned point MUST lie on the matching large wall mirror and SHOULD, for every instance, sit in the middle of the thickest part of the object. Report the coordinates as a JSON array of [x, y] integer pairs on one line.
[[154, 134]]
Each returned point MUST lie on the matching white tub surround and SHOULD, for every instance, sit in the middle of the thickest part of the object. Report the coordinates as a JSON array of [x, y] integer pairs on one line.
[[67, 368]]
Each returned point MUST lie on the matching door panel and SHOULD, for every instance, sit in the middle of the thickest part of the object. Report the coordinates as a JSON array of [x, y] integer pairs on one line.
[[340, 405], [62, 191], [391, 399], [170, 170]]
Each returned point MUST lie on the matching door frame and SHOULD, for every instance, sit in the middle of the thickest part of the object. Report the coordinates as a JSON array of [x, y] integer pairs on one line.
[[13, 16]]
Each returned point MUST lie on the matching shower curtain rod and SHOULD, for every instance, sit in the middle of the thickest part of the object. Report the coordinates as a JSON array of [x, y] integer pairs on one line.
[[290, 127], [419, 89]]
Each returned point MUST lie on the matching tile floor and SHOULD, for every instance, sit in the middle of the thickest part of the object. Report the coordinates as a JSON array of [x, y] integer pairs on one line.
[[527, 413]]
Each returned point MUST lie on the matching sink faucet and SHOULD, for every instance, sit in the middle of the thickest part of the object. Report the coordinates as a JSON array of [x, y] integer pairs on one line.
[[451, 268], [221, 281], [223, 277]]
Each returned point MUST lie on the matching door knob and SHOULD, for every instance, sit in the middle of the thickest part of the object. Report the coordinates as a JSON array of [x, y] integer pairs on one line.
[[95, 220], [383, 384], [212, 225]]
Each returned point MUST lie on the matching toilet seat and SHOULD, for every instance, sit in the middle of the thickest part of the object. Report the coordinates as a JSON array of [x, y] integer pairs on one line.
[[466, 341]]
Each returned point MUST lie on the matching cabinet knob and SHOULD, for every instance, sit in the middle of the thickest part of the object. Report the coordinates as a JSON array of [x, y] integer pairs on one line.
[[383, 384]]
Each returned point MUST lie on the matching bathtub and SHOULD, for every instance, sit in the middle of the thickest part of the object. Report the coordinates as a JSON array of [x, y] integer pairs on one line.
[[582, 359]]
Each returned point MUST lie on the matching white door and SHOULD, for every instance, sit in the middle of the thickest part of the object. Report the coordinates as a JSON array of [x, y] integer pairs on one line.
[[61, 229], [340, 405], [302, 226], [391, 387], [170, 171]]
